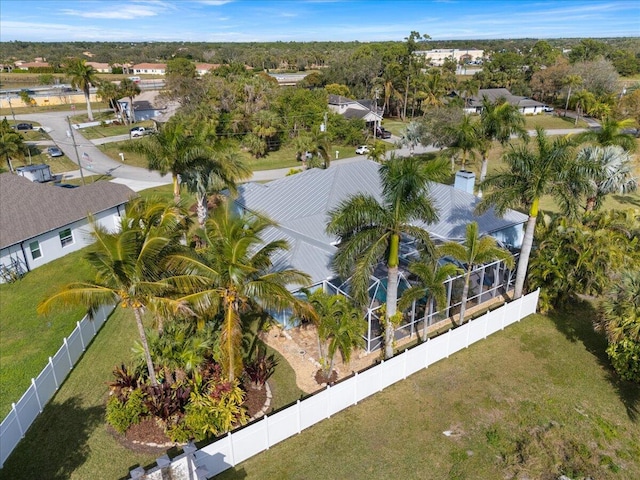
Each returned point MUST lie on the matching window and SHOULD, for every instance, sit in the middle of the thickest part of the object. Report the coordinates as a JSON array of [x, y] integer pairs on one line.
[[65, 237], [35, 250]]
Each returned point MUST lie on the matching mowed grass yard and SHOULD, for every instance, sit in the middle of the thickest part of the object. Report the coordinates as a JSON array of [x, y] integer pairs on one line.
[[534, 401]]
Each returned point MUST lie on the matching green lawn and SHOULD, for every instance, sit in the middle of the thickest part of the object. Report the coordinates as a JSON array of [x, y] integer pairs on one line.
[[534, 401], [28, 340], [96, 106], [111, 130]]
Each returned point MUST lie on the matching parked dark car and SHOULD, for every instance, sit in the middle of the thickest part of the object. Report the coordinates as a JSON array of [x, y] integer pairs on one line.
[[65, 185], [54, 152], [24, 126], [382, 133]]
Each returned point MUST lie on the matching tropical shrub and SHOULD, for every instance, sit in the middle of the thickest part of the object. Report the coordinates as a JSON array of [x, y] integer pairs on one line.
[[261, 367], [122, 414]]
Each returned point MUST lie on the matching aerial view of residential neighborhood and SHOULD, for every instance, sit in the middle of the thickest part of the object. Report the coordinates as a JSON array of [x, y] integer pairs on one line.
[[319, 239]]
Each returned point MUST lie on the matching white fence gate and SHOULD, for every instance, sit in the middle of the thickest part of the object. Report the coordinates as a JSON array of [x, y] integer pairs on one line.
[[45, 385], [237, 447]]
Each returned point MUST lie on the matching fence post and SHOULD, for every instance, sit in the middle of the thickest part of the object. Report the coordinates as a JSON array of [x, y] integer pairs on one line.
[[231, 454], [380, 376], [298, 414], [53, 371], [35, 389], [15, 412], [404, 364], [93, 324], [520, 307], [355, 389], [468, 328], [329, 402], [426, 353], [502, 320], [66, 347], [448, 341], [266, 430], [84, 348]]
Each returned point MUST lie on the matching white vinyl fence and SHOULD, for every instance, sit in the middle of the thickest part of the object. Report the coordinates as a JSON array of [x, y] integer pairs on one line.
[[45, 385], [242, 444]]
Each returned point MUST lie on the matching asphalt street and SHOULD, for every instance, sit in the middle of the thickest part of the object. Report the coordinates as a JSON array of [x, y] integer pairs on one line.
[[93, 161]]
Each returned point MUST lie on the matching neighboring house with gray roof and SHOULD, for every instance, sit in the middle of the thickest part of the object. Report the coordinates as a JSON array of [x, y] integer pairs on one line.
[[526, 105], [359, 109], [41, 222], [300, 204]]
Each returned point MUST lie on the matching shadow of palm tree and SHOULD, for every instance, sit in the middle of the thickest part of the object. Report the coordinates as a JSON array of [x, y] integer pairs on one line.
[[56, 444], [576, 324], [627, 200]]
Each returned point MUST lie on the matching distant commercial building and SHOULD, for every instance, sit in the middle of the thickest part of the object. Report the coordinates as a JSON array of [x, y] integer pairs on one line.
[[438, 56]]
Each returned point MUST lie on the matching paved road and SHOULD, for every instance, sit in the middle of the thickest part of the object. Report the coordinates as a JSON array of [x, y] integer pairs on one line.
[[94, 161]]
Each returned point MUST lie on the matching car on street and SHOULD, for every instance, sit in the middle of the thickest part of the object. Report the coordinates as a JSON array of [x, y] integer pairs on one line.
[[362, 150], [24, 126], [547, 109], [382, 133], [138, 132], [54, 152]]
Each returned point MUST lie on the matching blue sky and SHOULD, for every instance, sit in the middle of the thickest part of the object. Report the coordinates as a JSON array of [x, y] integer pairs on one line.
[[309, 20]]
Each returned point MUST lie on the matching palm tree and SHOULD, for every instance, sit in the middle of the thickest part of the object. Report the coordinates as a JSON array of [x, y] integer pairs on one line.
[[413, 134], [82, 76], [475, 251], [222, 170], [339, 323], [550, 170], [128, 88], [611, 132], [498, 121], [570, 81], [430, 286], [11, 143], [369, 230], [620, 320], [128, 267], [469, 88], [172, 149], [465, 139], [110, 93], [584, 101], [234, 274], [613, 172]]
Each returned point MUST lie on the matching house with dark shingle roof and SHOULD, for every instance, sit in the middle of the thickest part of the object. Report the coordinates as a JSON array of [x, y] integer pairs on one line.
[[349, 108], [41, 222], [526, 105]]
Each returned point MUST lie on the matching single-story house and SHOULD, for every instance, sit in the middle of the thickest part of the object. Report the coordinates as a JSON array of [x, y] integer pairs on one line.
[[27, 65], [100, 67], [526, 105], [203, 68], [364, 109], [42, 222], [300, 204], [147, 105], [149, 69]]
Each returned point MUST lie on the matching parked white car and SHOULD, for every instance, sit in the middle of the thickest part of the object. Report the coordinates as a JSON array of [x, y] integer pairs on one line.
[[138, 132], [362, 150]]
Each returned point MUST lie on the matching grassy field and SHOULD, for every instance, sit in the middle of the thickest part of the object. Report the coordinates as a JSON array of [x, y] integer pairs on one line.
[[96, 106], [111, 130], [536, 400], [28, 340], [69, 440]]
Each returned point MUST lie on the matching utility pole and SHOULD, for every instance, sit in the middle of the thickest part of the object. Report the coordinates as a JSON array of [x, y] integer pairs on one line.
[[11, 107], [73, 139]]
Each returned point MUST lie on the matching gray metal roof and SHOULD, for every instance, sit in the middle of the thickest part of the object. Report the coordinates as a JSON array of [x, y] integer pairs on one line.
[[300, 204], [30, 209], [494, 94]]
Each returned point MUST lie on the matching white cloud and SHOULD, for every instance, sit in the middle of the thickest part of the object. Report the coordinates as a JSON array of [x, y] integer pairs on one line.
[[120, 12], [214, 3]]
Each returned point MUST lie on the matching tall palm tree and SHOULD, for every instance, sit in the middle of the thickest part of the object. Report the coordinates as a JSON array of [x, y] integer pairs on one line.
[[584, 101], [465, 140], [430, 285], [172, 149], [11, 143], [549, 170], [570, 81], [109, 92], [611, 132], [340, 324], [613, 170], [82, 76], [222, 170], [476, 251], [128, 88], [498, 122], [370, 230], [128, 267], [234, 274]]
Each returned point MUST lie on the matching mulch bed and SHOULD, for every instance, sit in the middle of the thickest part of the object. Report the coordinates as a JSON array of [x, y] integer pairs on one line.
[[254, 400], [322, 379], [149, 430]]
